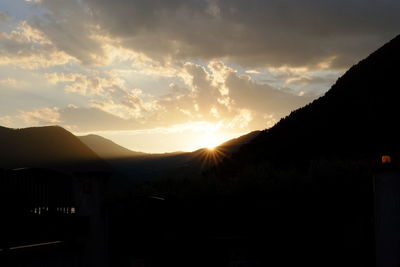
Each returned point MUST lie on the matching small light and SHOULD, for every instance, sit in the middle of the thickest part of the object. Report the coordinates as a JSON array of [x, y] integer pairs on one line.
[[386, 159]]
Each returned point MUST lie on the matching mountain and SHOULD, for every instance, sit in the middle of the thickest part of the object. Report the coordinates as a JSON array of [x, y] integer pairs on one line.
[[144, 167], [234, 144], [109, 150], [106, 148], [47, 147], [357, 117]]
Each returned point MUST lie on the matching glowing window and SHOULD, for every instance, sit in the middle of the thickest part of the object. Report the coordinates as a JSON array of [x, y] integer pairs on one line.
[[386, 159]]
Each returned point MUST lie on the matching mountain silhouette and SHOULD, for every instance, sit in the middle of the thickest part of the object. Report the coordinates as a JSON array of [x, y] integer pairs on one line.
[[47, 147], [357, 116], [138, 166], [106, 148], [235, 143]]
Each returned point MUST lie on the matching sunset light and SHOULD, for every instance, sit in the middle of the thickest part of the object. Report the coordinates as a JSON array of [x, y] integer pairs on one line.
[[199, 133], [211, 140]]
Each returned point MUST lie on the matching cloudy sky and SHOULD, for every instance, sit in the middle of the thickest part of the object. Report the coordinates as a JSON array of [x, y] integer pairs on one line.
[[158, 75]]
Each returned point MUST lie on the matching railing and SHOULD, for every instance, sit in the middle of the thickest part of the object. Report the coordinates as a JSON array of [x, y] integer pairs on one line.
[[35, 191], [38, 205], [57, 214]]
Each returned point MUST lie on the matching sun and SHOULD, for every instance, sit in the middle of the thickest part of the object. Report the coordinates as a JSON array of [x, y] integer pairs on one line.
[[210, 142], [209, 138], [212, 153]]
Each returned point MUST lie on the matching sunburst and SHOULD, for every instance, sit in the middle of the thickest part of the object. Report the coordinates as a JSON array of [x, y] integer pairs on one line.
[[211, 143], [211, 156]]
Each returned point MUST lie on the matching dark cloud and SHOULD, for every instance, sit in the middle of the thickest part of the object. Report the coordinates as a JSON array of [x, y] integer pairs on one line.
[[263, 98], [253, 33], [68, 24]]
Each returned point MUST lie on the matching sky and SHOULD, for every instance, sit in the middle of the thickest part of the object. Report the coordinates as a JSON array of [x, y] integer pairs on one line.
[[177, 75]]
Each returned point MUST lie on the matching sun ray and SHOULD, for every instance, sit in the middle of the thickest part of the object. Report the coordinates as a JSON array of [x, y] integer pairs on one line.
[[212, 156]]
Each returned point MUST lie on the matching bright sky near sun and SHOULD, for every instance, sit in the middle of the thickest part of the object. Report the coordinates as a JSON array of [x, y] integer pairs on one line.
[[160, 76]]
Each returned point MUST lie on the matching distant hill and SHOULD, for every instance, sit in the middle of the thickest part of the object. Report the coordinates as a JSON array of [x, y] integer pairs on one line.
[[106, 148], [55, 148], [47, 147], [139, 166]]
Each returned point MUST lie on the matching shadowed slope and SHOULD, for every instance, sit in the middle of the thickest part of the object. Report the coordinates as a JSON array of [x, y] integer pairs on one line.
[[47, 147], [106, 148], [141, 166], [358, 115]]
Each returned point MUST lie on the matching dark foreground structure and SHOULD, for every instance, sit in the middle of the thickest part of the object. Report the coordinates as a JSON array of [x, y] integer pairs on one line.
[[50, 218], [55, 219], [387, 213]]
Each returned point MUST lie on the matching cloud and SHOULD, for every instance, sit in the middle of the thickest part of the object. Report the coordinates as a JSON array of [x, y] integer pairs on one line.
[[303, 78], [6, 121], [85, 85], [130, 105], [250, 33], [41, 116], [68, 25], [10, 82], [28, 48], [252, 72], [217, 93], [34, 1], [36, 117], [214, 93]]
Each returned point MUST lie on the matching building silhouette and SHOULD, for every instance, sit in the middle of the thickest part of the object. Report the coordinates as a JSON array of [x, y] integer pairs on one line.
[[51, 218]]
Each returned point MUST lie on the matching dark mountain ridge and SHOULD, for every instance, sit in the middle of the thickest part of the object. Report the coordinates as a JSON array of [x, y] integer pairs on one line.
[[140, 167], [47, 147], [55, 148], [106, 148], [357, 116]]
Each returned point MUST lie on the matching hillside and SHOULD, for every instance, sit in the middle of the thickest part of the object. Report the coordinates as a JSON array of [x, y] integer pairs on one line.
[[142, 167], [357, 116], [234, 144], [106, 148], [46, 147]]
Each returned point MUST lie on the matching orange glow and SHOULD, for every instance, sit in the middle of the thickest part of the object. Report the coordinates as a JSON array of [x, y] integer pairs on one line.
[[386, 159], [183, 137], [210, 140]]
